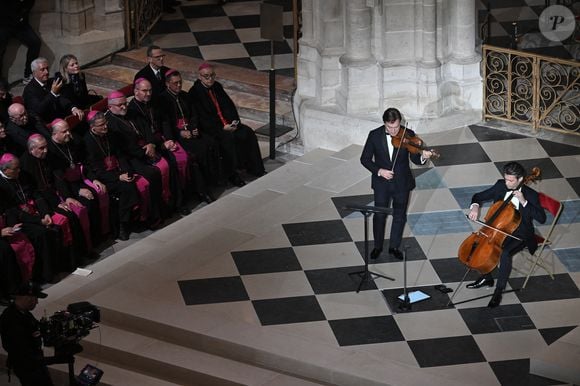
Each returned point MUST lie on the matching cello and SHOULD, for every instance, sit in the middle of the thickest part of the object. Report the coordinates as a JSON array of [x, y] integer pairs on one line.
[[481, 250]]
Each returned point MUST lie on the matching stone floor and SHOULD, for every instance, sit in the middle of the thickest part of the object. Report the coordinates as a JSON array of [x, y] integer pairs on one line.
[[266, 272]]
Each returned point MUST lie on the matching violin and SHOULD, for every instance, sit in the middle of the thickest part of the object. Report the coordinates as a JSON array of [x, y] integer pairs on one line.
[[481, 251], [413, 144]]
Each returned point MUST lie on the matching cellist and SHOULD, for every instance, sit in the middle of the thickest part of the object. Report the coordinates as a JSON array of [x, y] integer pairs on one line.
[[526, 202]]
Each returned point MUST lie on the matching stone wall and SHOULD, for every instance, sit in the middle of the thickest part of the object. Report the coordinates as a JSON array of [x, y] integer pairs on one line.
[[88, 29], [358, 57]]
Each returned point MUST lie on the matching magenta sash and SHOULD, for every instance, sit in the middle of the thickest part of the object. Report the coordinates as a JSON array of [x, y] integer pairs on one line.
[[82, 214], [143, 189], [72, 174], [103, 198], [182, 164], [64, 225], [24, 251], [111, 163], [163, 167]]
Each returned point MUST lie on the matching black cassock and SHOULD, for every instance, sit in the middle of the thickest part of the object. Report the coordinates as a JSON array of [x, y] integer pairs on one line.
[[66, 162], [43, 178], [16, 197], [180, 116], [239, 148]]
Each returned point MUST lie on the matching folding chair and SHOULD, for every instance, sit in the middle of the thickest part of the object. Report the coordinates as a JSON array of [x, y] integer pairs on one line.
[[555, 208]]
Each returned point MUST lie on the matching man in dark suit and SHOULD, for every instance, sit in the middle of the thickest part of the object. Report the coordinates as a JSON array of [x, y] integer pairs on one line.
[[154, 71], [391, 178], [527, 203], [42, 95], [14, 24], [21, 337]]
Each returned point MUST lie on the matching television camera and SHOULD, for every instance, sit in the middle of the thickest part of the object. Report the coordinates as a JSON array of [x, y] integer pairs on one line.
[[64, 330], [69, 326]]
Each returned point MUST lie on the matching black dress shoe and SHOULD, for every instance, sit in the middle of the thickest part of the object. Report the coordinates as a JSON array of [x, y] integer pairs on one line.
[[237, 181], [495, 299], [375, 253], [481, 282], [207, 197], [396, 252], [124, 232]]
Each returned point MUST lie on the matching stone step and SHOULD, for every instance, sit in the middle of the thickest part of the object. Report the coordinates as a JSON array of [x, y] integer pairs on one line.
[[560, 359], [131, 352], [113, 375], [231, 77], [250, 106]]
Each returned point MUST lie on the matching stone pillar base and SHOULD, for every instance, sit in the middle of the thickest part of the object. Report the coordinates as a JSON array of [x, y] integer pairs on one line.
[[332, 129]]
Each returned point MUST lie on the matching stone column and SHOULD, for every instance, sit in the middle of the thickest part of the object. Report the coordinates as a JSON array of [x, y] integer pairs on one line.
[[360, 78], [430, 33], [76, 16], [358, 31], [463, 16]]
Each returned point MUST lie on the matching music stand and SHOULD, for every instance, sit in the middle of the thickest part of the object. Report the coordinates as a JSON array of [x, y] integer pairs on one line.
[[366, 211]]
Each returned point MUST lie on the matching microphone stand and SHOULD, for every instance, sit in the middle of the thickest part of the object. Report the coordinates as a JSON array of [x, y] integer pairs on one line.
[[366, 211]]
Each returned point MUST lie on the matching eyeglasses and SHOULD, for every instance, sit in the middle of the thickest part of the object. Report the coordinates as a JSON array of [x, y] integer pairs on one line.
[[158, 56], [118, 104], [208, 76]]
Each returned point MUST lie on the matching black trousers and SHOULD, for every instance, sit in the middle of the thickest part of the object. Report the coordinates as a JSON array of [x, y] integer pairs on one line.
[[10, 276], [153, 175], [26, 35], [33, 376], [400, 201], [128, 198], [511, 246]]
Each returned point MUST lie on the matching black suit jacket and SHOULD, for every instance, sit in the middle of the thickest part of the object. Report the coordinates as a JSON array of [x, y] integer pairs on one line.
[[532, 211], [41, 102], [156, 84], [376, 156]]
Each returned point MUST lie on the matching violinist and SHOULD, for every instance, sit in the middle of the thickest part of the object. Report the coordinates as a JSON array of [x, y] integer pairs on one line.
[[526, 202], [392, 179]]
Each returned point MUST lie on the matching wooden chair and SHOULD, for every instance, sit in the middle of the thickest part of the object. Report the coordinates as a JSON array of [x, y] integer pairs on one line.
[[537, 259]]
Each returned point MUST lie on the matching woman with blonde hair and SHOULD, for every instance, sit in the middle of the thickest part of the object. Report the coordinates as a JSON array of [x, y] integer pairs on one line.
[[74, 86]]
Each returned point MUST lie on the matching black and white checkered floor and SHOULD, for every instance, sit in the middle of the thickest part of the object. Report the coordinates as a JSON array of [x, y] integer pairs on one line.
[[502, 13], [307, 282], [267, 268], [228, 33]]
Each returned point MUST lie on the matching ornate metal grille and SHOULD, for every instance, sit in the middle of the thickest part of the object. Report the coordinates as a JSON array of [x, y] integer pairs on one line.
[[140, 17], [532, 89]]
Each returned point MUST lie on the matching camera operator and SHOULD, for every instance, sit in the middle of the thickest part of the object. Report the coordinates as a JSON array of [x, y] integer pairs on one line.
[[21, 338]]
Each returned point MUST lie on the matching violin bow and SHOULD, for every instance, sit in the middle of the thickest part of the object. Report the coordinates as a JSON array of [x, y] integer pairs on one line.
[[479, 222]]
